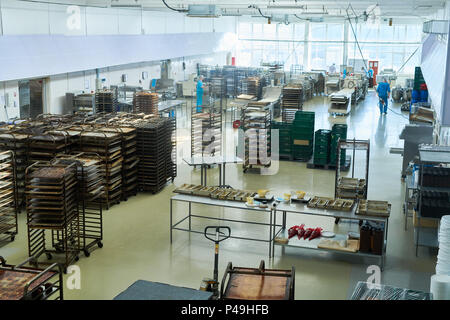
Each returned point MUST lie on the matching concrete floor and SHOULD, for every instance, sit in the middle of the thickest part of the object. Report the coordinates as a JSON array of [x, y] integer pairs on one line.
[[136, 232]]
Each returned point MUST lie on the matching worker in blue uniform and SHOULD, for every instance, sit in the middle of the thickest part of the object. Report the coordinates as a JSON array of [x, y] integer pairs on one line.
[[200, 87], [384, 92]]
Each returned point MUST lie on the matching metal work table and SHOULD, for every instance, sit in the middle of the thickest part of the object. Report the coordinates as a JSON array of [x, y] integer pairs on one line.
[[205, 162], [224, 204], [302, 208]]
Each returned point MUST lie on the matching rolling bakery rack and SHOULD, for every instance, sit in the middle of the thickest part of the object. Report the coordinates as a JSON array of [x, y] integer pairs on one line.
[[108, 145], [256, 123], [8, 196], [291, 101], [25, 283], [105, 101], [145, 102], [17, 142], [206, 130], [52, 205], [91, 189]]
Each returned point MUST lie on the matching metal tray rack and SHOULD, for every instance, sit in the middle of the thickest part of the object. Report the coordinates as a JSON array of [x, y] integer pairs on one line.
[[256, 124], [8, 196], [105, 101], [291, 101], [44, 147], [52, 204], [17, 143], [91, 186], [146, 102], [171, 164], [108, 145], [25, 283], [154, 150], [206, 130]]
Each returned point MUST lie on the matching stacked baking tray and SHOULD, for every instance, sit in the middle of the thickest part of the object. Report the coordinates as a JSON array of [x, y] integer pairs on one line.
[[8, 196], [105, 101], [218, 86], [171, 153], [251, 86], [130, 161], [17, 143], [91, 189], [108, 145], [206, 132], [291, 101], [44, 147], [52, 204], [146, 102], [154, 149], [351, 188]]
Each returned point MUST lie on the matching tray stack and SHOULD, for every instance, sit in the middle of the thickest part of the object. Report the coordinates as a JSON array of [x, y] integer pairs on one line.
[[130, 162], [44, 147], [17, 143], [108, 145], [229, 73], [91, 188], [171, 164], [154, 149], [52, 204], [8, 196], [291, 101], [257, 130], [303, 135], [146, 102], [351, 188], [251, 86], [105, 101], [322, 142]]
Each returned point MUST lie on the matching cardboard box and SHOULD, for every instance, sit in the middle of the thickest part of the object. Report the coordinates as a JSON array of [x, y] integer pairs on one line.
[[301, 142], [424, 222]]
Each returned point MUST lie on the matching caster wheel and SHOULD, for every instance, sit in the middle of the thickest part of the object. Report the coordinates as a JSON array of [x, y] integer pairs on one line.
[[100, 245], [65, 270], [49, 256], [86, 253], [12, 238], [77, 258], [336, 221]]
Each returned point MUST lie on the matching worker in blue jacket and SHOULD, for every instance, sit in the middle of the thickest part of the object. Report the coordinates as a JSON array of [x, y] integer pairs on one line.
[[384, 92], [200, 87]]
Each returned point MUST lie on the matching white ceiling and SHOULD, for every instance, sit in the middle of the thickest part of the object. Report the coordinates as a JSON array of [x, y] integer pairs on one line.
[[386, 8]]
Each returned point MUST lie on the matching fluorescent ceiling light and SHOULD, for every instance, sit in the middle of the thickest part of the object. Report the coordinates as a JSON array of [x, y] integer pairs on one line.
[[284, 7], [126, 6]]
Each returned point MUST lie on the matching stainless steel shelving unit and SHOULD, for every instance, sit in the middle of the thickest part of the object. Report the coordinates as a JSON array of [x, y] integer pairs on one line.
[[429, 155], [302, 209]]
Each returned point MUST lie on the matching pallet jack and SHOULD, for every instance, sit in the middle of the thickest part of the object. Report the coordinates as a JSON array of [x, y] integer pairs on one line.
[[208, 284]]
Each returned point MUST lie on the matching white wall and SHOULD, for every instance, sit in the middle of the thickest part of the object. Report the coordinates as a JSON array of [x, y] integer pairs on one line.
[[38, 18], [26, 18]]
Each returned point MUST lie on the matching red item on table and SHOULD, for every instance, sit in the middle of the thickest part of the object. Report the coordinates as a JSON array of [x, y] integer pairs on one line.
[[294, 230], [307, 233], [316, 233], [301, 232]]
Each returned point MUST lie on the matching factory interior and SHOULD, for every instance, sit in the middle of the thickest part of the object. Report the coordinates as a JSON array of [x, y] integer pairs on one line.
[[237, 150]]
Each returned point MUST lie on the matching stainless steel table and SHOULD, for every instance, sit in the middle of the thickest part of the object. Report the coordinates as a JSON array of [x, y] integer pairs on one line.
[[267, 212], [300, 208], [205, 162], [170, 105]]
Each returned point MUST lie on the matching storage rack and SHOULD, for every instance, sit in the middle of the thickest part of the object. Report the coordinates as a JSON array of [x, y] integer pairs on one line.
[[291, 101], [52, 204], [44, 147], [322, 142], [155, 144], [25, 283], [130, 162], [359, 191], [229, 73], [433, 191], [146, 102], [303, 135], [252, 86], [109, 147], [17, 143], [256, 123], [105, 101], [206, 130], [91, 188], [8, 196]]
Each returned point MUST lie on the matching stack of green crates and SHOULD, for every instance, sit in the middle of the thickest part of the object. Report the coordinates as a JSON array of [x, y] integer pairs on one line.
[[284, 130], [418, 78], [339, 131], [322, 142], [303, 135]]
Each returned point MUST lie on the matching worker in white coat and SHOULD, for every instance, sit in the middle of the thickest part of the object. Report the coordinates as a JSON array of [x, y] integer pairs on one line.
[[332, 68]]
